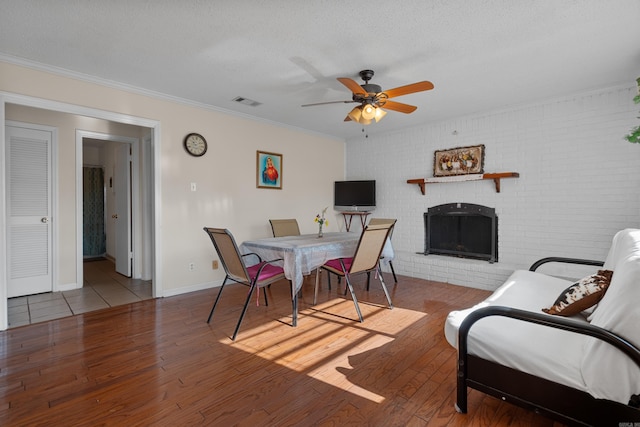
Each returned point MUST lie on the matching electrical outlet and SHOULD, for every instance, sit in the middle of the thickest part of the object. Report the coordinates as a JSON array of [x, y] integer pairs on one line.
[[214, 264], [192, 266]]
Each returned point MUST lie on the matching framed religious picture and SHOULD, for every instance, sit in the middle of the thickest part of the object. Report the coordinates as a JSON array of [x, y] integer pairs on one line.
[[459, 161], [269, 170]]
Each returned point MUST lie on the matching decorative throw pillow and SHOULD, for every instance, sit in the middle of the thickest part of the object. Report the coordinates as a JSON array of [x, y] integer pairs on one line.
[[581, 295]]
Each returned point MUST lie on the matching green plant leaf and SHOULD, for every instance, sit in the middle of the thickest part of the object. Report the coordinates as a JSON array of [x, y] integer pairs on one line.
[[634, 135]]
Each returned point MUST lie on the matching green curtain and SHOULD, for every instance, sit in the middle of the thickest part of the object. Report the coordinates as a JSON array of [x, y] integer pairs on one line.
[[93, 235]]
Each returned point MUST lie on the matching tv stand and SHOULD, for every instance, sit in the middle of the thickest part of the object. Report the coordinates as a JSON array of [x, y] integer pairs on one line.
[[348, 216]]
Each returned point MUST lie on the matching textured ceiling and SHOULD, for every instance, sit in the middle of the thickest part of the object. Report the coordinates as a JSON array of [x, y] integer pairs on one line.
[[480, 55]]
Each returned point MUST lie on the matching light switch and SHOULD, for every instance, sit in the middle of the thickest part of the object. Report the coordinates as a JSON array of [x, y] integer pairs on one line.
[[193, 186]]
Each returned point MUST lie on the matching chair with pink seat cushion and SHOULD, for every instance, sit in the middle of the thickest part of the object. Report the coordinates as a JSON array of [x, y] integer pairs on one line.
[[256, 276], [365, 260]]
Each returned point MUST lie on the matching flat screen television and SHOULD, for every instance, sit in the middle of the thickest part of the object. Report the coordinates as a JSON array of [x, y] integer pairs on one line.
[[354, 196]]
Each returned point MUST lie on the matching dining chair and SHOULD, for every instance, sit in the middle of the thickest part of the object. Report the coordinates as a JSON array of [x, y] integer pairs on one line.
[[256, 276], [365, 260], [284, 227], [378, 221]]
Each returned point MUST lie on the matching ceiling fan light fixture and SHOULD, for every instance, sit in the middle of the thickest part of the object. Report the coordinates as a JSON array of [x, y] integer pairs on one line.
[[357, 116], [372, 98], [368, 111]]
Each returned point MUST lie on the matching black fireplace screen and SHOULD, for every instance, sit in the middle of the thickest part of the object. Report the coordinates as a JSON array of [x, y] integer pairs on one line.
[[462, 230]]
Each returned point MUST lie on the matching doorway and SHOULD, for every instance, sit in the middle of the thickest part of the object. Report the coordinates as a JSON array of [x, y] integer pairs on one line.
[[63, 280], [108, 208]]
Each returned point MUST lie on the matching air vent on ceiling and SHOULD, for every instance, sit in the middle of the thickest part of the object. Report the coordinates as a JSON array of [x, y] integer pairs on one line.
[[247, 101]]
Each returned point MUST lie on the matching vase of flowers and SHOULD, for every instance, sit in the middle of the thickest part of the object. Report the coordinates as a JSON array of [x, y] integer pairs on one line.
[[321, 220]]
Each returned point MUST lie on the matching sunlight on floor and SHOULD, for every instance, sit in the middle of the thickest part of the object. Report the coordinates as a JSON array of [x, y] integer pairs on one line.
[[342, 354]]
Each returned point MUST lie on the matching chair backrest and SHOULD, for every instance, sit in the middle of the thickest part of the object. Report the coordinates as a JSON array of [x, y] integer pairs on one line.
[[370, 247], [383, 221], [284, 227], [228, 253]]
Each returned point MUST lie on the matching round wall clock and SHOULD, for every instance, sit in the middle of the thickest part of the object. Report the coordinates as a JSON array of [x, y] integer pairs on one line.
[[195, 144]]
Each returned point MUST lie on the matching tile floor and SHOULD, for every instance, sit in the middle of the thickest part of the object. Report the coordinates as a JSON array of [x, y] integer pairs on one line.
[[103, 288]]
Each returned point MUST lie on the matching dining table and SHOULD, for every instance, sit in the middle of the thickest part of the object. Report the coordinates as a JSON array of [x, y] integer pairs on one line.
[[301, 255]]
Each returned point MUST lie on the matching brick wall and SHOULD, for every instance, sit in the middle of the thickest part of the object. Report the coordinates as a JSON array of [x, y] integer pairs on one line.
[[579, 182]]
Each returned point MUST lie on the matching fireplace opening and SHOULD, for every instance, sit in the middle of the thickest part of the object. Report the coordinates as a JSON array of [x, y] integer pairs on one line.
[[462, 230]]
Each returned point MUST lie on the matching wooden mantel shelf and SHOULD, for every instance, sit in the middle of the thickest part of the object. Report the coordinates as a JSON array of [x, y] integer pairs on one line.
[[496, 177]]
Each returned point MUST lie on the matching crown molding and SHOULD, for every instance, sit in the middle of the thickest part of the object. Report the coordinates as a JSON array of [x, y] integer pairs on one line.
[[51, 69]]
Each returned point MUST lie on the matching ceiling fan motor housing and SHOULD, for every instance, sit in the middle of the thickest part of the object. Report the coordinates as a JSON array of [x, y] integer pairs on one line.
[[366, 75], [371, 88], [372, 91]]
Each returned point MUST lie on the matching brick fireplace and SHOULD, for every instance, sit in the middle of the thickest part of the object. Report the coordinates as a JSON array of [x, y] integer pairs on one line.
[[462, 230], [578, 182]]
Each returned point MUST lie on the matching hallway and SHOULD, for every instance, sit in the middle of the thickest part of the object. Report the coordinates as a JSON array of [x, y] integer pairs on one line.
[[102, 288]]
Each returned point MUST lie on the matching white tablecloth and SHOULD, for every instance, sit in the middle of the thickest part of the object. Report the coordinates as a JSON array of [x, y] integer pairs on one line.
[[303, 254]]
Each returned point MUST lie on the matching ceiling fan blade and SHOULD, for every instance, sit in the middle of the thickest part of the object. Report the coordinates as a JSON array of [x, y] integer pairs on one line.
[[328, 102], [352, 85], [400, 107], [412, 88]]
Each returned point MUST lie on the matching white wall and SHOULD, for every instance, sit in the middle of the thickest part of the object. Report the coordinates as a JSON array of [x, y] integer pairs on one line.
[[226, 193], [91, 156], [578, 182]]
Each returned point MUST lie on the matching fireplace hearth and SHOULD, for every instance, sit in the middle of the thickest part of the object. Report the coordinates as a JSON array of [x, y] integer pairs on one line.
[[462, 230]]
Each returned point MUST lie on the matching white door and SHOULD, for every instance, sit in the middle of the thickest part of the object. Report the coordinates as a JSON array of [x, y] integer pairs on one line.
[[122, 216], [29, 210]]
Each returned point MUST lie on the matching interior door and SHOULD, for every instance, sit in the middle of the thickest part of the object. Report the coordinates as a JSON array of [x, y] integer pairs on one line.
[[122, 216], [29, 230]]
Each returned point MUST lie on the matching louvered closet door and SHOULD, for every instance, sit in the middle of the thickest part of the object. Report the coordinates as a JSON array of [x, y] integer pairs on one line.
[[29, 210]]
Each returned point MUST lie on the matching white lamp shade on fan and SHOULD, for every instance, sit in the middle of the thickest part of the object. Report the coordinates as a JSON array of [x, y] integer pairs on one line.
[[380, 113], [364, 114], [368, 111]]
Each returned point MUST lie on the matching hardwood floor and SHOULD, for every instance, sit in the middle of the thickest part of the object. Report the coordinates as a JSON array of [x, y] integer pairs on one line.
[[157, 362]]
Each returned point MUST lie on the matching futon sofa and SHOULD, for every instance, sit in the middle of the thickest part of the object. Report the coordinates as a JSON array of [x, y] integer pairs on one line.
[[567, 349]]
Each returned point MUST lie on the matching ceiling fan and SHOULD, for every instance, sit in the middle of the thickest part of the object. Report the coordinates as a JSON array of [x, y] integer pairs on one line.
[[371, 98]]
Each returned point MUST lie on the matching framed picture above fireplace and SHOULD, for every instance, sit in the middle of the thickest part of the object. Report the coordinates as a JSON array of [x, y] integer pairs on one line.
[[459, 161]]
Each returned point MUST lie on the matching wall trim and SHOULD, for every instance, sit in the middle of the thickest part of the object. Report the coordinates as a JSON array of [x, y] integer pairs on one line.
[[147, 92]]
